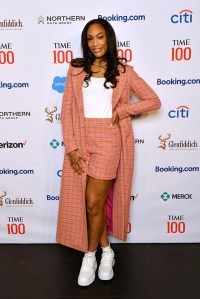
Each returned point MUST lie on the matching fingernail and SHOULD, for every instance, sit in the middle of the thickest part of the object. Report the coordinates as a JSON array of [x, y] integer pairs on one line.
[[87, 162], [111, 125]]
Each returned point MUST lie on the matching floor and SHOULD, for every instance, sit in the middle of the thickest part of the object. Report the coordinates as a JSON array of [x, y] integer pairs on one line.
[[142, 271]]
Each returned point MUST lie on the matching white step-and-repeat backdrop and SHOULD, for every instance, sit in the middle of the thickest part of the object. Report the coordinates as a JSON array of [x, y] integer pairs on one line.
[[37, 42]]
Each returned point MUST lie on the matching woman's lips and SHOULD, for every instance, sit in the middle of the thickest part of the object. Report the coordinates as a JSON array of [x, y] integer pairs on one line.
[[97, 50]]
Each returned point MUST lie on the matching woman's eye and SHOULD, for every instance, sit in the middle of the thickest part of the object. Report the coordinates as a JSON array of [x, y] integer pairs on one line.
[[101, 36]]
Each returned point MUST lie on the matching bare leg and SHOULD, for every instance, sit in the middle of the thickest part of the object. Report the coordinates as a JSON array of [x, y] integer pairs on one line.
[[96, 194], [104, 236]]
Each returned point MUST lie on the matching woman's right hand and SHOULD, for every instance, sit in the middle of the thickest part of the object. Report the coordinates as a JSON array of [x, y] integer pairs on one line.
[[75, 158]]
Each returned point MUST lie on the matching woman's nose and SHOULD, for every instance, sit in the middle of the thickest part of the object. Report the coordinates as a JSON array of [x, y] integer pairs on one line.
[[95, 41]]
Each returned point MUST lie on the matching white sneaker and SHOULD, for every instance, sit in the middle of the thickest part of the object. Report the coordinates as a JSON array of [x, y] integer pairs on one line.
[[87, 272], [105, 271]]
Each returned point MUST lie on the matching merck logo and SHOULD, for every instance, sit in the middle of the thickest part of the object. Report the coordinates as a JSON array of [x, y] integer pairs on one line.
[[180, 112], [184, 16]]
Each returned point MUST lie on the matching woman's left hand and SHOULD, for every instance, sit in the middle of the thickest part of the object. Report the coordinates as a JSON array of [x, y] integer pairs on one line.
[[115, 118]]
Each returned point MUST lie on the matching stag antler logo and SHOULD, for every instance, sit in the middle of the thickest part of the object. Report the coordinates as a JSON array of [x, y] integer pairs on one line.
[[1, 198], [163, 141], [50, 113]]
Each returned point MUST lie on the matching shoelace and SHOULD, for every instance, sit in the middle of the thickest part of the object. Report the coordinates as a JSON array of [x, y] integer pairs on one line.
[[88, 262], [107, 258]]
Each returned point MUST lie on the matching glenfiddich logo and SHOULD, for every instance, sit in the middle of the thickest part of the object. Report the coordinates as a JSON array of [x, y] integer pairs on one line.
[[50, 113], [17, 202], [1, 198], [11, 24], [177, 145], [163, 141]]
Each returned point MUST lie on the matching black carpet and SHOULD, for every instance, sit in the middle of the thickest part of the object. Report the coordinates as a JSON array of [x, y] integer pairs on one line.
[[142, 271]]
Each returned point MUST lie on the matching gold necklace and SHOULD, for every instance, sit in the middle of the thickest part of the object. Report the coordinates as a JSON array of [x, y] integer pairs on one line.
[[100, 64]]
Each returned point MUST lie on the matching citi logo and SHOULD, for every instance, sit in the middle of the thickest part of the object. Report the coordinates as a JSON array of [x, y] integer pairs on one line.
[[12, 144], [165, 196], [180, 112], [184, 16]]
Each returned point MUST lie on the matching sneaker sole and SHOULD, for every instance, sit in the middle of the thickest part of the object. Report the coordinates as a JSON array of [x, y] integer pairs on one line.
[[90, 281], [84, 283], [106, 277]]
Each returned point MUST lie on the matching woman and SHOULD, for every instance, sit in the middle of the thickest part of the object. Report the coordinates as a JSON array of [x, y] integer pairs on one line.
[[99, 144]]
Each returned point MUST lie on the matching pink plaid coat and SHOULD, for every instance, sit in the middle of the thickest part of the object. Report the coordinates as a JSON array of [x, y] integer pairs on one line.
[[72, 225]]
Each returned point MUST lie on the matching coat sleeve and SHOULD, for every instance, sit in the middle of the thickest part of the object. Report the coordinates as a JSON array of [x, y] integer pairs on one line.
[[148, 99], [66, 115]]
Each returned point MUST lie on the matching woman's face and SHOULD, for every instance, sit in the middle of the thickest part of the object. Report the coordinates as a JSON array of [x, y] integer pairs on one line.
[[96, 38]]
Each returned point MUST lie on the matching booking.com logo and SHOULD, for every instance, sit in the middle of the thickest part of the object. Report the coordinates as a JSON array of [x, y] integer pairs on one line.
[[59, 84], [122, 18], [180, 112], [184, 16], [52, 197]]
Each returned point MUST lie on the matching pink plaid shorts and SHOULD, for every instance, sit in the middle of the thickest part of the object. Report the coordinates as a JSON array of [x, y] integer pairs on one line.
[[103, 148]]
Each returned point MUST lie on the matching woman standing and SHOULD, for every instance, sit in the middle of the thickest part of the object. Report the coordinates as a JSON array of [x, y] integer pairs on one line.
[[99, 145]]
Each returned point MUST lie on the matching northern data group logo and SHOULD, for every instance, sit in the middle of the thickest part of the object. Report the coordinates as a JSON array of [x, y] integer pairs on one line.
[[59, 20], [8, 115]]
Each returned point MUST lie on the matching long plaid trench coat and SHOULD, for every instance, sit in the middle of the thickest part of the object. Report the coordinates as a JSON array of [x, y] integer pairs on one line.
[[72, 223]]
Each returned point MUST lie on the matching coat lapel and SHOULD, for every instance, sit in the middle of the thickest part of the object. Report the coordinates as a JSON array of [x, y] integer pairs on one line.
[[78, 76], [117, 91]]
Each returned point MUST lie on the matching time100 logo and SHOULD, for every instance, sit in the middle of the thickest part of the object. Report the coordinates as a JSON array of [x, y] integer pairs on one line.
[[176, 224]]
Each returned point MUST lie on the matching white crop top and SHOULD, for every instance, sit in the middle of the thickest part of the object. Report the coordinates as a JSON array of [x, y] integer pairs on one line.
[[97, 100]]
